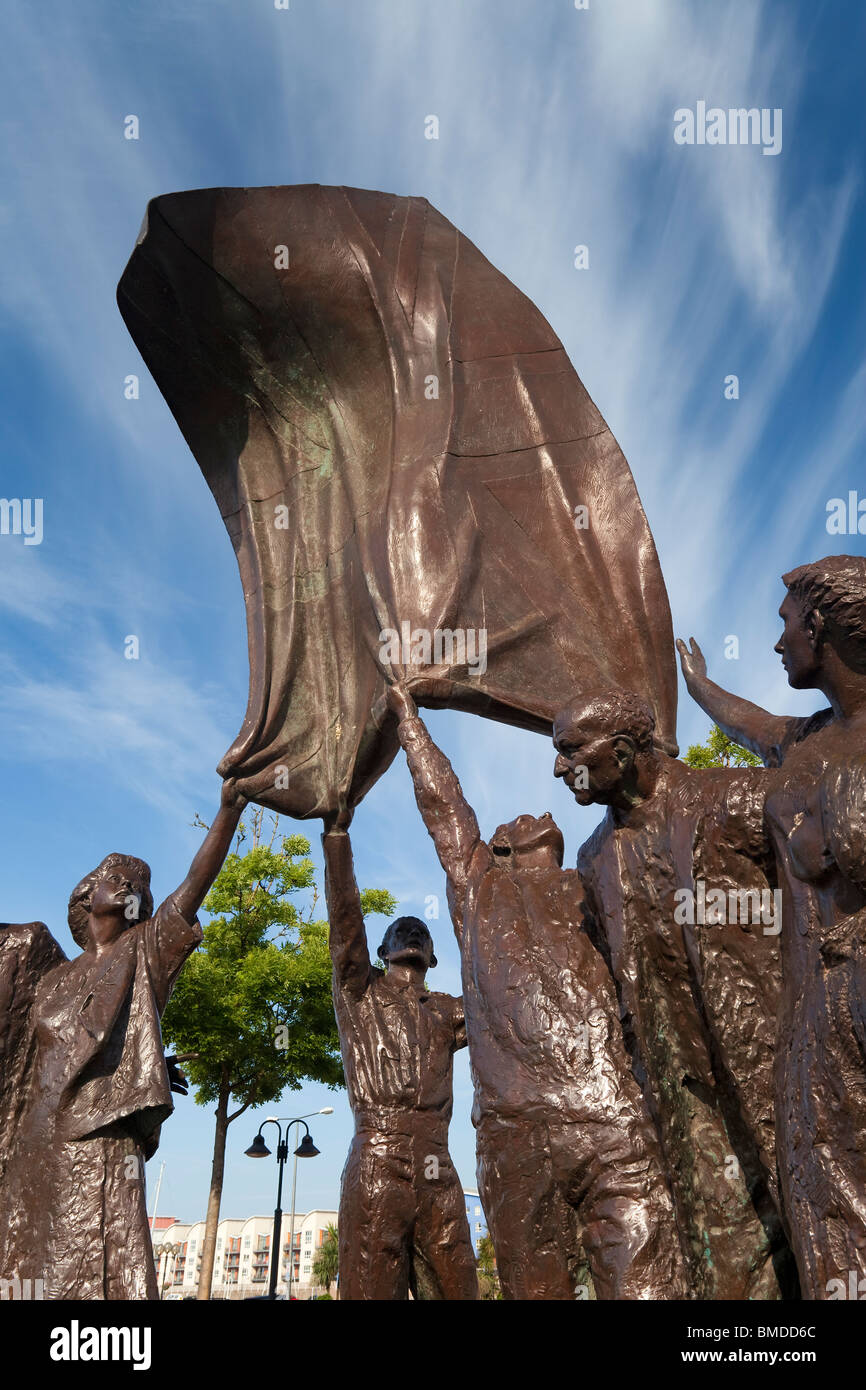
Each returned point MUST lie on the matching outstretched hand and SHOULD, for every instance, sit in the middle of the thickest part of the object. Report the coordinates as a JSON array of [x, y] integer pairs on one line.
[[177, 1079], [692, 661], [231, 798]]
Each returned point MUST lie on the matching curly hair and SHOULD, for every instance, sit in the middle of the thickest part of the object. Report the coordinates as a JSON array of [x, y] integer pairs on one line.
[[79, 900], [836, 588], [616, 712]]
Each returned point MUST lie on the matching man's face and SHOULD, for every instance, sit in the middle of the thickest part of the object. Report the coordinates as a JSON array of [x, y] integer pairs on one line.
[[529, 841], [795, 647], [408, 940], [592, 764]]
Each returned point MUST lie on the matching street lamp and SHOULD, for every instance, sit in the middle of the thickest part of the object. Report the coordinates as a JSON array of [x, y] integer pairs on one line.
[[167, 1251], [306, 1149]]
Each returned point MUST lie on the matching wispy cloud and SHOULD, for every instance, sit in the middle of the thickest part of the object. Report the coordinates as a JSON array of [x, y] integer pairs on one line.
[[152, 732]]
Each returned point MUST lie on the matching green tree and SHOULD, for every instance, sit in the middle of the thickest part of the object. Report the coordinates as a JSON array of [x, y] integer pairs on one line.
[[488, 1279], [326, 1262], [720, 751], [252, 1012]]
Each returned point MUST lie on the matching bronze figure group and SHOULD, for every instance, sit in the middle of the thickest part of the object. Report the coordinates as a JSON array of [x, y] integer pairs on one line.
[[667, 1042]]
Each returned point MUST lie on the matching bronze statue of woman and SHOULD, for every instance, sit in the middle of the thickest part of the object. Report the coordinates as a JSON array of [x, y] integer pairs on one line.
[[84, 1085], [816, 815]]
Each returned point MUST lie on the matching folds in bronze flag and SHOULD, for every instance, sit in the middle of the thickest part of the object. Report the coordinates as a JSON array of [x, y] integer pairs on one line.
[[399, 448]]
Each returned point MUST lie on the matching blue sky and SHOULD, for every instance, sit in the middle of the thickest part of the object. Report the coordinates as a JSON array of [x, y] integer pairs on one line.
[[556, 128]]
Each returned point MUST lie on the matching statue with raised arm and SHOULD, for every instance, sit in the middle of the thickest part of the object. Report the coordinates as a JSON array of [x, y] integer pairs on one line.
[[402, 1223], [84, 1085], [816, 816], [677, 885], [569, 1168], [770, 736]]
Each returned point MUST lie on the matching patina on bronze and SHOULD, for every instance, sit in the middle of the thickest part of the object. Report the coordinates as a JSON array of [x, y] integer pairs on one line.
[[84, 1085], [816, 815], [569, 1167], [699, 997], [402, 1220], [399, 448]]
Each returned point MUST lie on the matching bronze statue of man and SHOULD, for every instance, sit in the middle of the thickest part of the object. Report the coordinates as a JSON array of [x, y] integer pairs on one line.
[[698, 989], [84, 1085], [569, 1167], [403, 1223], [816, 816]]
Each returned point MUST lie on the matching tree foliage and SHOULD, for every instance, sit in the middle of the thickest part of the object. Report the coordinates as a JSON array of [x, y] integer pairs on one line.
[[488, 1279], [253, 1004], [720, 751], [252, 1013], [326, 1262]]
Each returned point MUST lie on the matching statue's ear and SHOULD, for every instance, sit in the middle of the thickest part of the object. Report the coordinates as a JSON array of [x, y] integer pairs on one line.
[[815, 627], [623, 749]]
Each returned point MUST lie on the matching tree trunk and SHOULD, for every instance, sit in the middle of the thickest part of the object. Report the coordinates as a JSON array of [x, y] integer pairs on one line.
[[216, 1191]]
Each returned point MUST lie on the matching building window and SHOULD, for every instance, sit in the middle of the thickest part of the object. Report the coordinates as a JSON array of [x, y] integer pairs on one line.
[[306, 1269], [477, 1211], [478, 1225], [247, 1240], [308, 1236]]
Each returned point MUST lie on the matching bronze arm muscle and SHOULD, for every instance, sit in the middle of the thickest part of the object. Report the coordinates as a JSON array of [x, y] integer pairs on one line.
[[747, 724], [347, 935], [446, 813], [207, 863]]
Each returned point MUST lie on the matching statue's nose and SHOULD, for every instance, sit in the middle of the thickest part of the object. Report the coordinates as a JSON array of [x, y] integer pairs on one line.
[[560, 767]]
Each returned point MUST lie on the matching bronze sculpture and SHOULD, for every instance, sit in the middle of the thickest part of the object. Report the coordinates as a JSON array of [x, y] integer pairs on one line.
[[816, 815], [405, 460], [567, 1155], [402, 1223], [699, 1000], [85, 1086], [420, 491]]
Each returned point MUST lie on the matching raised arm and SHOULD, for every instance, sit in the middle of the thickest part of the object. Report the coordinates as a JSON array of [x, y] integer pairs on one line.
[[209, 860], [449, 818], [747, 724], [347, 935]]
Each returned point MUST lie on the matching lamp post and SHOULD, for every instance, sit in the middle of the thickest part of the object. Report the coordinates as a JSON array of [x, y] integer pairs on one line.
[[306, 1149], [167, 1252]]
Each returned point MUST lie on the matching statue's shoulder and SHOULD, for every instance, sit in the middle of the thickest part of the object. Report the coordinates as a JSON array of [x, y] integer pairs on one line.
[[30, 939], [17, 934], [449, 1006]]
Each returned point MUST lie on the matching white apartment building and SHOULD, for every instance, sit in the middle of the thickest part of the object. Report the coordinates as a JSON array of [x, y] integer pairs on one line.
[[243, 1252]]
